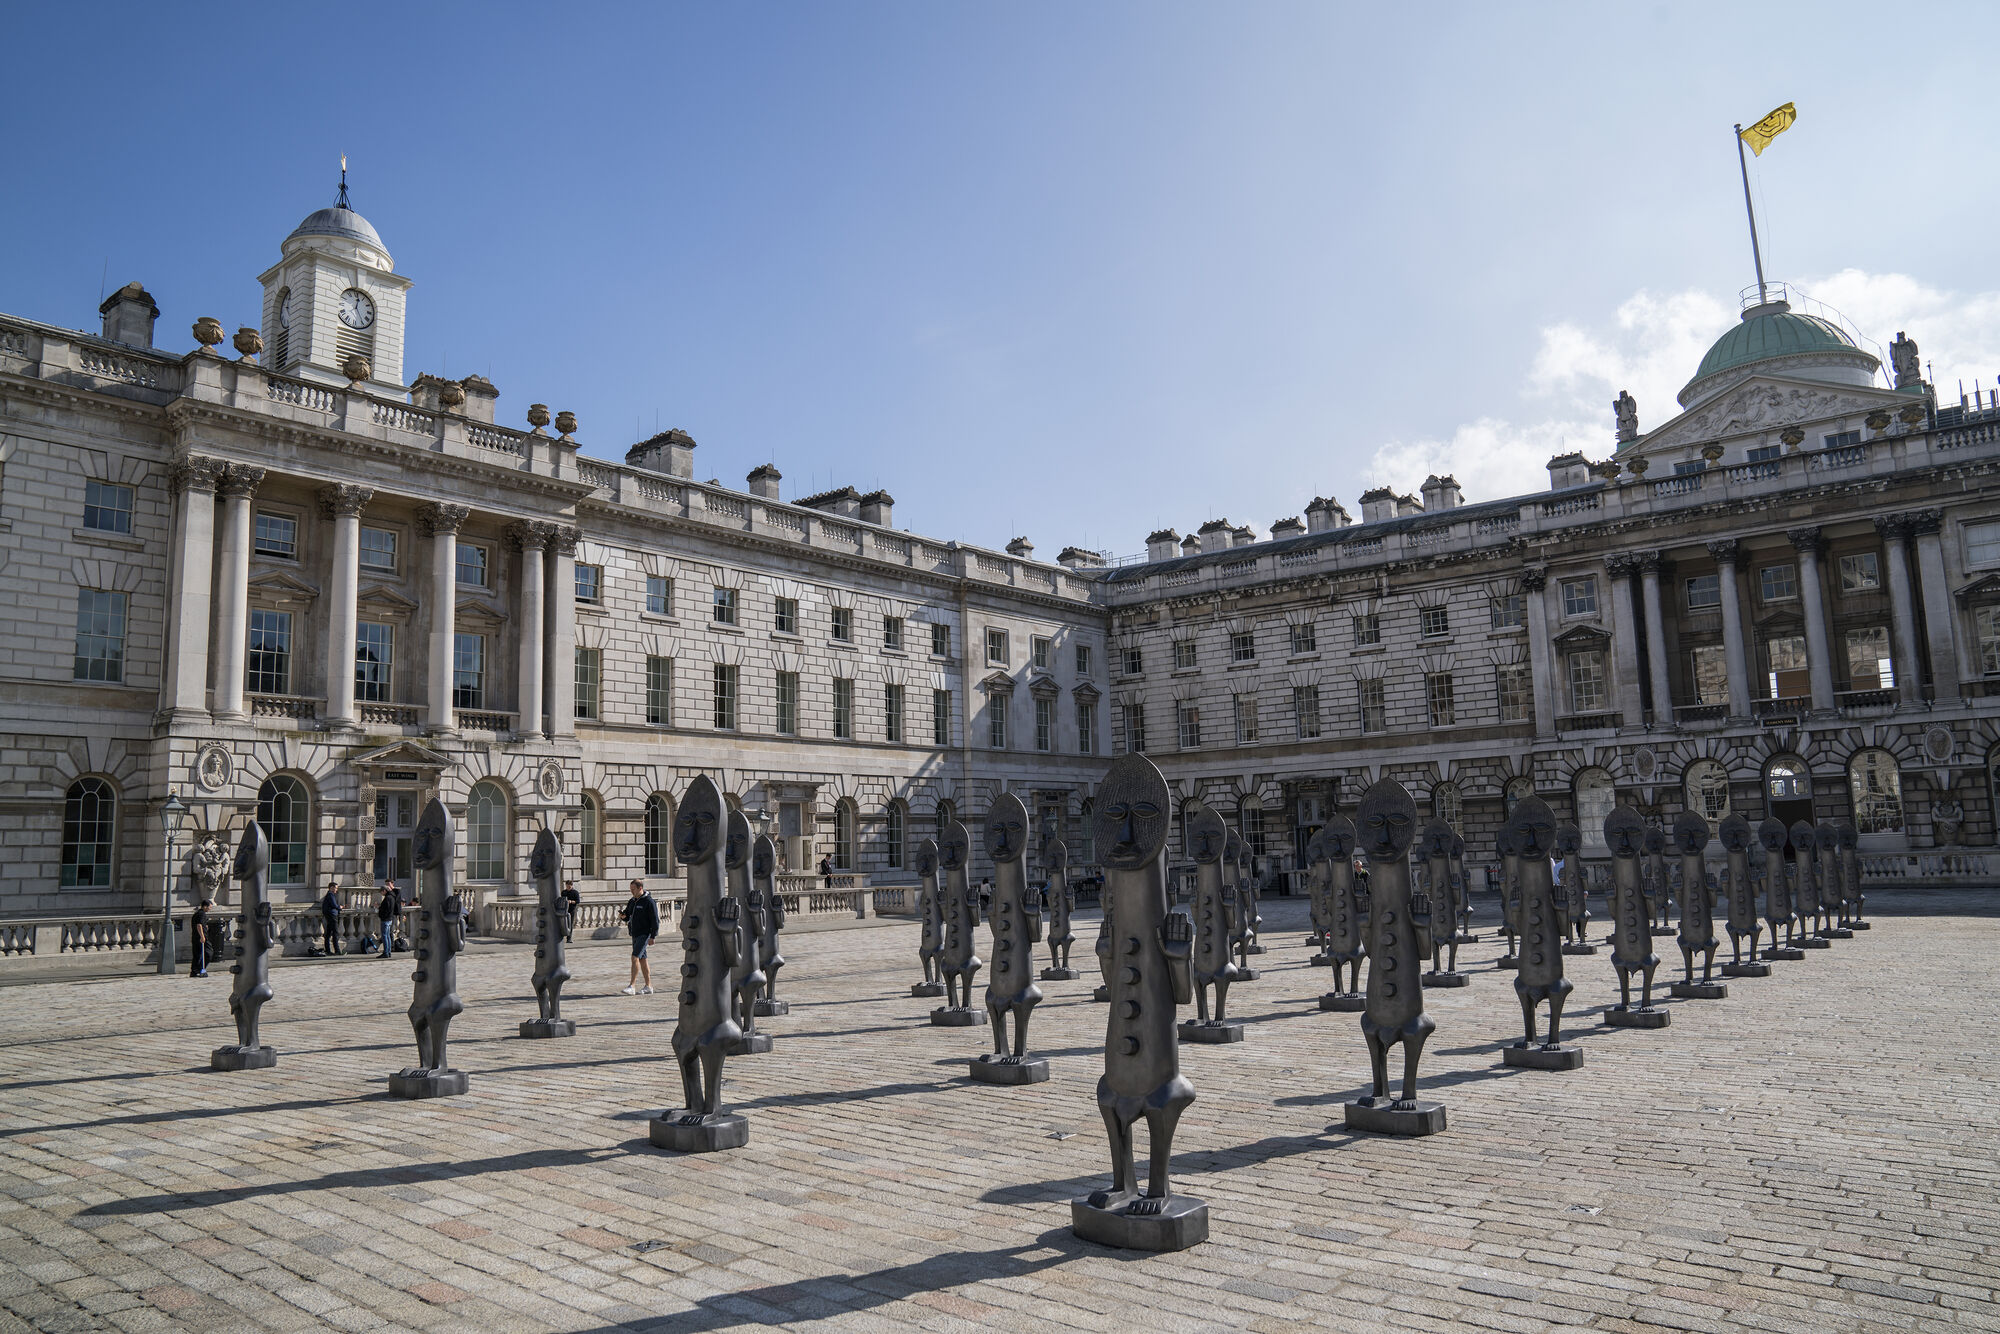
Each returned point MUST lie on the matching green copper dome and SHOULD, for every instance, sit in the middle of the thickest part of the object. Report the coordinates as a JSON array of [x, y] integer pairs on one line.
[[1772, 331]]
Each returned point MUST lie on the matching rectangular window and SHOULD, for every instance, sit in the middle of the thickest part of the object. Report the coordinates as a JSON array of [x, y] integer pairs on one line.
[[1374, 708], [1135, 660], [1243, 646], [1703, 591], [471, 565], [1438, 699], [100, 636], [725, 694], [725, 608], [277, 536], [1986, 627], [786, 696], [892, 714], [589, 677], [1436, 622], [1516, 684], [1763, 461], [940, 718], [843, 709], [1860, 573], [1586, 681], [1243, 709], [1038, 653], [659, 691], [996, 647], [843, 625], [1045, 724], [1508, 612], [892, 632], [590, 585], [1086, 727], [1789, 678], [785, 618], [1868, 663], [1841, 440], [940, 641], [1982, 544], [659, 595], [270, 665], [107, 508], [996, 721], [468, 671], [1778, 583], [1711, 674], [1083, 660], [1579, 596], [1305, 712], [1183, 654], [1135, 728], [374, 651], [1187, 718], [1305, 639], [1690, 469], [378, 549], [1367, 629]]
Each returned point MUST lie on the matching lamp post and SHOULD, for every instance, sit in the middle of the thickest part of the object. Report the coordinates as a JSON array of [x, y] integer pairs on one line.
[[173, 814]]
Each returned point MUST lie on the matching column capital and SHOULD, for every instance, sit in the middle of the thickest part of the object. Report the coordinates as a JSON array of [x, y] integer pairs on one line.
[[528, 535], [1926, 521], [1651, 563], [1534, 581], [564, 538], [1893, 527], [1726, 551], [1621, 566], [193, 472], [1806, 541], [433, 519], [337, 500], [238, 481]]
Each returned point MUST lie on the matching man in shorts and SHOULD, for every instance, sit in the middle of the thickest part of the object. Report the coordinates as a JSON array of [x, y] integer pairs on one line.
[[642, 923]]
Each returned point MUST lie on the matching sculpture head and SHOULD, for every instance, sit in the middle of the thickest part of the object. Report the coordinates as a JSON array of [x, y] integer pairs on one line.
[[1388, 821], [1131, 815], [1436, 841], [735, 839], [1803, 838], [432, 846], [1735, 833], [1056, 855], [1505, 844], [1850, 837], [1568, 838], [1826, 836], [1771, 834], [1316, 849], [954, 847], [1232, 848], [1338, 838], [927, 858], [1458, 845], [545, 862], [1656, 838], [1534, 826], [698, 830], [1207, 837], [1624, 832], [1690, 833], [763, 856], [1007, 829], [253, 852]]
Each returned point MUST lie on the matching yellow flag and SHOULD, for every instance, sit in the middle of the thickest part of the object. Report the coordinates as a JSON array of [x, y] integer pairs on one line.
[[1760, 135]]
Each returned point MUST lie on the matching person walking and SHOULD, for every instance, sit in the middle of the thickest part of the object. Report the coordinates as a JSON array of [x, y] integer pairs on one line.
[[388, 910], [198, 929], [826, 869], [329, 911], [575, 902], [642, 923]]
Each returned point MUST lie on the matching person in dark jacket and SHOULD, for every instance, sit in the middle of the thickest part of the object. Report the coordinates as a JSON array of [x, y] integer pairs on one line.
[[388, 910], [642, 923], [198, 929], [574, 901], [329, 911], [826, 869]]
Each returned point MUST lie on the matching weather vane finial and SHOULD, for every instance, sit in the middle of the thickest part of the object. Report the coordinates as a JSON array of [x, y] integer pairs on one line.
[[342, 202]]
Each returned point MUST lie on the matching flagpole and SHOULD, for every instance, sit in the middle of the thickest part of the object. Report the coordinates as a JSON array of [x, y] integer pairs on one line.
[[1756, 255]]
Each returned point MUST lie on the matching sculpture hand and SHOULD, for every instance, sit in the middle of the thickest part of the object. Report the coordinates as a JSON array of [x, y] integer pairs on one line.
[[1176, 936]]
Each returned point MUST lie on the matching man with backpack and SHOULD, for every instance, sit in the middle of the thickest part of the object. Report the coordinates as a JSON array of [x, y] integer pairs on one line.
[[388, 910], [329, 911], [642, 923]]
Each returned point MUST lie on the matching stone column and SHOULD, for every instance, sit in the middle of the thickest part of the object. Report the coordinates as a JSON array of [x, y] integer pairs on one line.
[[560, 674], [237, 484], [1541, 650], [1940, 617], [1656, 640], [1812, 592], [1624, 643], [1727, 555], [191, 587], [531, 539], [343, 505], [440, 524], [1895, 528]]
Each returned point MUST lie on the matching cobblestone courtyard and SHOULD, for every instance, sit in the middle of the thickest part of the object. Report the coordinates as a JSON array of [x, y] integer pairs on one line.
[[1820, 1151]]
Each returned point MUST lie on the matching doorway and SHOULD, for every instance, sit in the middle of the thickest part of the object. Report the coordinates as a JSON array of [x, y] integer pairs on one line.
[[395, 829]]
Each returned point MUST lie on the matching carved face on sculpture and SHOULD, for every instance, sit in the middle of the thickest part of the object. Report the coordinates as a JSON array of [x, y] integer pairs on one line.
[[1388, 821], [1130, 818], [253, 852], [1338, 838], [1803, 838], [1771, 834], [1007, 829], [1534, 826], [545, 862], [1850, 837], [763, 857], [1207, 837], [1316, 849], [1436, 840], [1656, 838], [1505, 844], [1568, 839], [431, 848], [1624, 832], [1826, 837], [1232, 849], [1690, 833], [736, 840], [698, 824], [955, 848], [1056, 855], [927, 858], [1735, 834]]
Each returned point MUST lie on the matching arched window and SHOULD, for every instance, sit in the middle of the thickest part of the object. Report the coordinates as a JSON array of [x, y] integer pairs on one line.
[[90, 810], [1250, 818], [1786, 778], [285, 812], [843, 835], [1089, 831], [897, 833], [659, 835], [486, 833], [588, 821], [1516, 789], [1707, 790], [1189, 809], [1595, 796], [1877, 789], [1448, 805], [947, 811]]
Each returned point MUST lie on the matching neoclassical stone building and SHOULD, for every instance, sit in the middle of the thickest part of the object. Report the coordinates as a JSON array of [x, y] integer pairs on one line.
[[290, 588]]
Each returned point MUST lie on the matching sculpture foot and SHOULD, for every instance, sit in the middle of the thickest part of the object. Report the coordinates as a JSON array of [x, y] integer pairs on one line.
[[691, 1132], [1101, 994], [1815, 943], [1700, 990], [1784, 952], [1508, 962], [1394, 1116], [1746, 970], [1008, 1069], [1837, 933], [1637, 1018], [771, 1009], [1172, 1224], [947, 1016], [1059, 974], [1542, 1056], [548, 1028], [1213, 1030], [1446, 978], [1579, 947], [427, 1083], [1343, 1002], [242, 1058], [1319, 961], [754, 1044], [927, 989]]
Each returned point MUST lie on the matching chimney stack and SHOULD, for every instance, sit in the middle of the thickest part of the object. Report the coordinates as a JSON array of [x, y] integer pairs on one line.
[[128, 315], [1325, 514], [764, 479], [1441, 493], [1163, 545], [877, 507], [1077, 558], [1215, 535], [670, 452]]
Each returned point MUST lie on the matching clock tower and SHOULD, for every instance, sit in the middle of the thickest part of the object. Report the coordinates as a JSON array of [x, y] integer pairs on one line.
[[335, 293]]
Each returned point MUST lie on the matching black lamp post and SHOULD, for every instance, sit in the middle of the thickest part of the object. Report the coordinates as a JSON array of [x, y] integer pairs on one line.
[[173, 814]]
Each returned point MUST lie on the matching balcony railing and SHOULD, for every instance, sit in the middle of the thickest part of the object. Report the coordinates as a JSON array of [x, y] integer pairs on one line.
[[1861, 703], [298, 707], [1587, 722], [1699, 715], [378, 714], [1789, 707], [482, 720]]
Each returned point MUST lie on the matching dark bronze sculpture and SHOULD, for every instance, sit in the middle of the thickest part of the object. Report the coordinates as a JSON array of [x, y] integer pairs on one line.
[[1236, 884], [1657, 894], [1246, 899], [438, 939], [552, 927], [1574, 888], [1805, 888], [1505, 847], [1461, 891], [712, 948], [1631, 923], [930, 909], [1540, 977], [764, 885], [1436, 853], [1319, 903], [1777, 893], [1697, 911], [1060, 901], [1738, 848], [1399, 938], [1832, 893], [255, 939], [1850, 861], [1150, 977], [1102, 949], [956, 959], [746, 973], [1207, 838], [1016, 919], [1347, 942]]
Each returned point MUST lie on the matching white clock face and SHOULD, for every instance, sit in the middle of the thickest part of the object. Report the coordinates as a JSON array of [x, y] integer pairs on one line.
[[356, 310], [285, 309]]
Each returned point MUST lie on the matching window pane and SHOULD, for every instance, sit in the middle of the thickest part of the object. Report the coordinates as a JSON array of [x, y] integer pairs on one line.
[[1374, 713], [659, 836], [996, 647], [843, 709], [472, 565], [1860, 573], [486, 833], [1086, 727], [660, 691], [269, 668], [1868, 663], [378, 549], [89, 809], [1438, 696], [1044, 724], [374, 652], [1982, 544], [586, 838], [589, 671], [940, 717], [468, 671], [1436, 622], [725, 606], [1243, 646], [1778, 582], [843, 624], [1711, 674], [785, 618], [892, 713], [1305, 712], [285, 814], [725, 697], [1517, 692], [892, 632], [107, 508], [590, 583], [1579, 596], [1877, 791], [1789, 678], [1586, 681], [1704, 590], [277, 536], [100, 636]]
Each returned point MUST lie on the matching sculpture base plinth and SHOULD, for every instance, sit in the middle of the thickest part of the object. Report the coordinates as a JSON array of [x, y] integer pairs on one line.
[[704, 1134], [1542, 1057], [427, 1083], [1577, 948], [1101, 994], [1699, 990], [989, 1070], [1447, 979], [1060, 975], [770, 1009], [1182, 1223], [1343, 1002], [1784, 952], [954, 1016], [756, 1044], [1814, 943], [1465, 938], [927, 989], [548, 1028], [1319, 961], [1861, 926], [1508, 961], [1253, 949], [1636, 1018], [1244, 973], [243, 1058], [1663, 931], [1387, 1116], [1746, 970], [1194, 1030], [1837, 933]]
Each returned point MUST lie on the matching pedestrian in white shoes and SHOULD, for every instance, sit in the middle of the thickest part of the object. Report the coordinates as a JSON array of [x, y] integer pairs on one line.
[[642, 923]]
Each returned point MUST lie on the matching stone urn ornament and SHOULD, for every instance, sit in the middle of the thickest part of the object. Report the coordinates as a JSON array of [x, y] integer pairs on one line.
[[249, 343], [208, 332], [356, 368], [452, 394], [538, 417], [1792, 436], [566, 424], [1877, 421], [1711, 453]]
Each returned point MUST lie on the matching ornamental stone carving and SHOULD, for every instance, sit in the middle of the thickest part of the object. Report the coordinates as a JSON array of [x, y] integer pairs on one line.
[[192, 472], [549, 781], [1893, 527], [1725, 551], [238, 481], [1534, 581], [433, 519], [524, 535], [564, 537], [1926, 521], [341, 501], [1621, 567], [213, 768], [1806, 541], [1649, 562]]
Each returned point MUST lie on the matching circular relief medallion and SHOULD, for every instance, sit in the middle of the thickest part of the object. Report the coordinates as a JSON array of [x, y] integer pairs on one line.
[[550, 780], [213, 768], [1644, 762], [1938, 744]]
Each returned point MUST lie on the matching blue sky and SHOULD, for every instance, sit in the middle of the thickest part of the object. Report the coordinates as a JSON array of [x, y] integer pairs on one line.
[[1073, 271]]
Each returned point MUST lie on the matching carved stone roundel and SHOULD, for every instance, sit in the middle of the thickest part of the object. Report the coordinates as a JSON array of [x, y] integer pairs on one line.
[[1645, 762], [213, 768], [550, 780], [1938, 744]]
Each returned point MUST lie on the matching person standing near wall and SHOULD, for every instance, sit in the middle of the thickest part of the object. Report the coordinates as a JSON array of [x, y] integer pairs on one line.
[[329, 910], [388, 910], [642, 923]]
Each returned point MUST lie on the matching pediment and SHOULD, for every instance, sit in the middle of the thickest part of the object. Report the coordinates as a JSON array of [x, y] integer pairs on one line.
[[283, 586], [472, 611], [1986, 588], [381, 597], [1086, 692], [1043, 686], [998, 683], [404, 755], [1762, 404], [1582, 636]]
